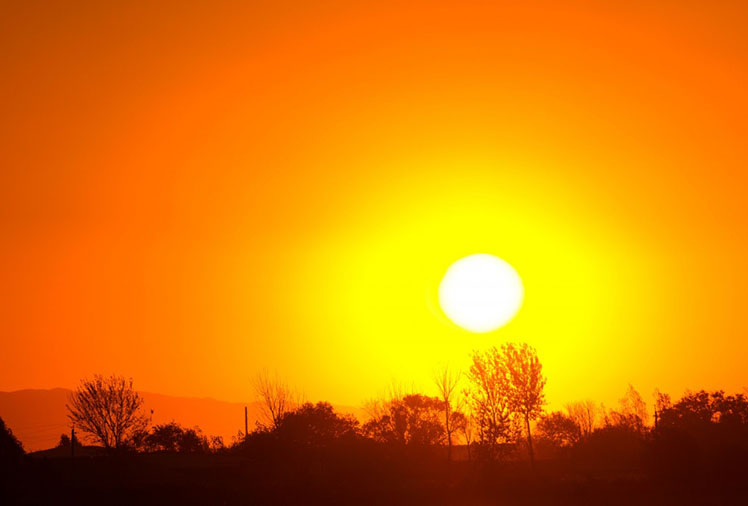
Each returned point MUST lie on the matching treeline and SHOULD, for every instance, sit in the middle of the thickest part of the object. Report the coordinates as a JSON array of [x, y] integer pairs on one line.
[[492, 412], [485, 437], [490, 407]]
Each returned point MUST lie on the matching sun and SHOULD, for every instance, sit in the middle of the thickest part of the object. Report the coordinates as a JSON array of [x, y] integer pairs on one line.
[[480, 292]]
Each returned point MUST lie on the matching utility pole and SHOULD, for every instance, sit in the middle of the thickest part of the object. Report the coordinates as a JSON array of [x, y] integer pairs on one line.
[[72, 441], [245, 423]]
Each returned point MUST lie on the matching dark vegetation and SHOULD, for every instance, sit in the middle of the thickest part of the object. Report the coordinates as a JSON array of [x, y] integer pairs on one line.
[[487, 442]]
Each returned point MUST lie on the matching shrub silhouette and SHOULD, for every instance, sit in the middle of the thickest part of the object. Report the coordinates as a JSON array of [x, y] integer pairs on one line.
[[172, 437]]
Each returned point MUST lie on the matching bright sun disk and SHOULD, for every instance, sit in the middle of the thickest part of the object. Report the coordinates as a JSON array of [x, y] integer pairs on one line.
[[480, 292]]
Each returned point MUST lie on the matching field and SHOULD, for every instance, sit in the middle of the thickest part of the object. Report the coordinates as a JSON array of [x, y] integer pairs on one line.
[[336, 479]]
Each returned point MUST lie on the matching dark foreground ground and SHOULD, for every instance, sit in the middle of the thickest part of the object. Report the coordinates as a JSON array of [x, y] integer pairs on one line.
[[233, 479]]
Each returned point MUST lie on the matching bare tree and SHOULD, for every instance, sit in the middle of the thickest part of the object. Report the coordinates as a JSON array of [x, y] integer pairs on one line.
[[586, 415], [446, 383], [276, 398], [108, 409], [632, 403], [397, 391], [468, 432], [526, 382], [375, 408], [462, 424], [632, 411]]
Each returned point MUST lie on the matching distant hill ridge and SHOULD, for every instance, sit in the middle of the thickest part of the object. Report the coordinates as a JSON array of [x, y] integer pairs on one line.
[[39, 417]]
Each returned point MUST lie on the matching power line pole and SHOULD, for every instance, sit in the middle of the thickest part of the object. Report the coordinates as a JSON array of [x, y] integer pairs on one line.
[[245, 423], [72, 441]]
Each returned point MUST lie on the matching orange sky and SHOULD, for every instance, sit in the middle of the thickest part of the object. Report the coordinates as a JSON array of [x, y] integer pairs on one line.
[[192, 193]]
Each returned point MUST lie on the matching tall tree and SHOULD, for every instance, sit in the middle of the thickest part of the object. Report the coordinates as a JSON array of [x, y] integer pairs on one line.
[[446, 383], [108, 409], [489, 400], [526, 383]]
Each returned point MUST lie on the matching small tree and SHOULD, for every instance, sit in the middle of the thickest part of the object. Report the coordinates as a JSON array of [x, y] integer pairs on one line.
[[526, 385], [108, 409], [632, 412], [173, 438], [462, 424], [316, 425], [65, 442], [558, 429], [193, 441], [586, 415], [164, 438], [276, 398], [467, 429], [216, 444], [413, 420]]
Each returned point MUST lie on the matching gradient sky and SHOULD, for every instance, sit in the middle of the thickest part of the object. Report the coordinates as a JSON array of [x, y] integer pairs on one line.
[[192, 192]]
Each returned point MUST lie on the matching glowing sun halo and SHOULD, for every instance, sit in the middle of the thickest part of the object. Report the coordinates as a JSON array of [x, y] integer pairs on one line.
[[480, 292]]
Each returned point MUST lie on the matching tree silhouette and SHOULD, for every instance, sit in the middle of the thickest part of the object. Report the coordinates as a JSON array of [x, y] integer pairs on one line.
[[702, 431], [526, 383], [490, 400], [413, 420], [65, 441], [11, 449], [662, 402], [558, 429], [164, 438], [315, 425], [172, 437], [585, 415], [632, 412], [276, 398], [108, 409], [464, 424], [193, 441], [696, 410], [446, 383]]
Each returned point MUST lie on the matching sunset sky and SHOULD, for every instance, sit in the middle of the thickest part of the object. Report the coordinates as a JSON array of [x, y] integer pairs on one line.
[[193, 193]]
